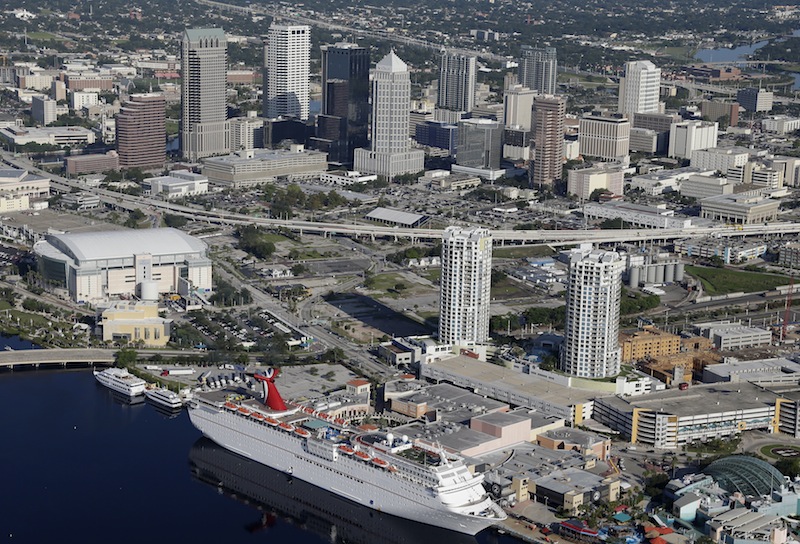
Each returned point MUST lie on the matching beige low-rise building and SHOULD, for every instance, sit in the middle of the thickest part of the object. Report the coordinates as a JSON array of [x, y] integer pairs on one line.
[[571, 488], [648, 342], [742, 208], [133, 323], [568, 438]]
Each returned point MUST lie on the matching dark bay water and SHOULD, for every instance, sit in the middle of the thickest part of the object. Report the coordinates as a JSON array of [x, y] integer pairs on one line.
[[79, 465]]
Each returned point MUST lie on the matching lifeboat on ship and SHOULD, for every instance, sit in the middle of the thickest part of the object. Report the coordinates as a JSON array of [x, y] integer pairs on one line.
[[302, 432], [361, 455], [347, 450], [380, 462], [230, 406], [271, 421], [244, 411], [339, 421], [256, 415], [286, 427]]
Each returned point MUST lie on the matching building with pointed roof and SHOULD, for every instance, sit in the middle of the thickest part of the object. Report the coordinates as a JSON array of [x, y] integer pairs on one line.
[[390, 152]]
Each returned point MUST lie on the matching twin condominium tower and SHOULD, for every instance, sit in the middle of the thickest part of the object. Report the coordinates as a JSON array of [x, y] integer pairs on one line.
[[591, 344]]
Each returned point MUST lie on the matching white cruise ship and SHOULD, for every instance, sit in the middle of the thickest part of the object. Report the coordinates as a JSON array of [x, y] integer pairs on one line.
[[164, 398], [406, 478], [120, 380]]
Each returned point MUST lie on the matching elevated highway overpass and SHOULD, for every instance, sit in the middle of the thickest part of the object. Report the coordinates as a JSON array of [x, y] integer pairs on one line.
[[525, 237]]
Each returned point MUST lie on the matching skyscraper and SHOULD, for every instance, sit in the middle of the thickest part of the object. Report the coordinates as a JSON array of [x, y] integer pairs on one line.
[[287, 51], [591, 331], [465, 284], [639, 89], [141, 132], [204, 119], [537, 69], [390, 152], [456, 83], [547, 127], [344, 122]]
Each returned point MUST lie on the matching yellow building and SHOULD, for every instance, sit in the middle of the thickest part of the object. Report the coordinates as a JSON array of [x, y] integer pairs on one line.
[[134, 322], [648, 342]]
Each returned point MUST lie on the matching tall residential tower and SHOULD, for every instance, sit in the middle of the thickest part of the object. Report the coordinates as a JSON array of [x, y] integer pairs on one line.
[[390, 152], [465, 284], [287, 51], [456, 85], [547, 128], [591, 331], [537, 69], [204, 116]]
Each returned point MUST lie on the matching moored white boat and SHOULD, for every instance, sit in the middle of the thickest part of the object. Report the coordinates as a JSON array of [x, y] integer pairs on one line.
[[164, 398], [396, 475], [121, 381]]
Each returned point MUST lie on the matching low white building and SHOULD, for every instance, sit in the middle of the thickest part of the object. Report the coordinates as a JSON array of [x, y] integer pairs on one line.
[[583, 182], [730, 335], [665, 181], [253, 167], [72, 136], [742, 208], [781, 124], [635, 215], [720, 159], [700, 187], [687, 137], [177, 184], [346, 177]]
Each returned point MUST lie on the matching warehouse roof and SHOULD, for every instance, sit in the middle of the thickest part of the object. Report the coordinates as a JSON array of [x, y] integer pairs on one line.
[[387, 215]]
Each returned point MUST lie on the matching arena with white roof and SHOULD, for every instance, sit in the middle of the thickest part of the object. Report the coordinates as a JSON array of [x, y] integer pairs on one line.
[[96, 266]]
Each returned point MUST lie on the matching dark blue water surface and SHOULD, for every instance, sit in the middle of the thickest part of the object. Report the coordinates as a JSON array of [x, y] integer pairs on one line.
[[77, 464]]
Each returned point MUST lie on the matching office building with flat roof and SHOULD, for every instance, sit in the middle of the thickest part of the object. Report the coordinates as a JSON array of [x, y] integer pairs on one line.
[[204, 110], [639, 89], [142, 131], [343, 123], [287, 58]]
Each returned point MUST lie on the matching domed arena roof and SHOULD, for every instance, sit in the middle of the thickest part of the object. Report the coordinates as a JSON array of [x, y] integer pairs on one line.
[[748, 475]]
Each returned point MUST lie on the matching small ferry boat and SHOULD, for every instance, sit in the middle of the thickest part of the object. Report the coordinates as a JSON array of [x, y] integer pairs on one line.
[[121, 381], [164, 398]]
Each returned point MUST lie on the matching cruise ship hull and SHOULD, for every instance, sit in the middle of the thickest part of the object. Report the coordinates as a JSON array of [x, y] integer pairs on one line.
[[314, 509], [360, 482]]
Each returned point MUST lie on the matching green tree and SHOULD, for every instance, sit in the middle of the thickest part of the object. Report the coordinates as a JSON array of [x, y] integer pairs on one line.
[[126, 357]]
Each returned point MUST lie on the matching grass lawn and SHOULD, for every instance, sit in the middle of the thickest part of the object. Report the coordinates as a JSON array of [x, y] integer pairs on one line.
[[766, 451], [384, 282], [520, 252], [431, 274], [276, 238], [720, 281], [26, 319], [508, 288]]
